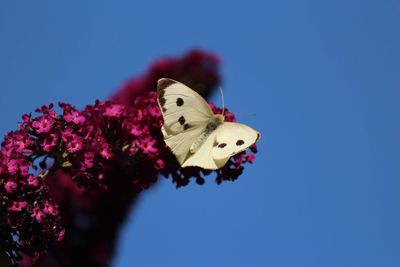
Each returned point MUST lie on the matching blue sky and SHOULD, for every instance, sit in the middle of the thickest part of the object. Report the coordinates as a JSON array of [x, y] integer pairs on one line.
[[321, 77]]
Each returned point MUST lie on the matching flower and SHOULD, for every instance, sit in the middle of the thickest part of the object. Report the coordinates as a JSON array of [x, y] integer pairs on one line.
[[33, 181], [48, 142], [74, 117], [106, 151], [18, 206], [37, 214], [101, 156], [74, 145], [43, 124], [60, 235], [148, 145], [135, 130], [13, 166], [50, 208], [10, 186], [114, 111], [88, 159]]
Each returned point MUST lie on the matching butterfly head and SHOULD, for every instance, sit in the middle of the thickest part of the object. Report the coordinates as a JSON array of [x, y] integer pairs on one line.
[[219, 118], [213, 123]]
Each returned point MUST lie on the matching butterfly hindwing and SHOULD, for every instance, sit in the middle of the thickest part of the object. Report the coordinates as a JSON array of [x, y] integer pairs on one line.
[[232, 138], [180, 143], [181, 106], [203, 156]]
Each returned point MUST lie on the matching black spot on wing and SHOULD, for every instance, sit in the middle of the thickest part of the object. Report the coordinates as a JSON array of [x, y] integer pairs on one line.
[[179, 102], [222, 145], [182, 120], [239, 142], [186, 126], [162, 101], [164, 83]]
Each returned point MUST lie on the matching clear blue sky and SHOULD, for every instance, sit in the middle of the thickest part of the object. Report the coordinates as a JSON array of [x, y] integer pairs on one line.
[[322, 77]]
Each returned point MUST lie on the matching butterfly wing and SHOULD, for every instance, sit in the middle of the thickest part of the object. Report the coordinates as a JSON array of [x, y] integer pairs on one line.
[[185, 115], [180, 143], [182, 108], [203, 157], [232, 138]]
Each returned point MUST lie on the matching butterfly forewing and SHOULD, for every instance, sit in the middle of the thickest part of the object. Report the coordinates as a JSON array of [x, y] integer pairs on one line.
[[232, 138], [182, 108]]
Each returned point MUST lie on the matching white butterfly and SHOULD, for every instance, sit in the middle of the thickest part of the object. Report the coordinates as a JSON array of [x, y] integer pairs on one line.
[[196, 135]]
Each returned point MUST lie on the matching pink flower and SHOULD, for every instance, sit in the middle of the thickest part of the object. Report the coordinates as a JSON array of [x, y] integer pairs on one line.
[[49, 142], [26, 118], [74, 145], [73, 142], [10, 186], [155, 111], [43, 124], [88, 161], [18, 206], [114, 111], [249, 157], [60, 235], [160, 164], [13, 166], [74, 117], [148, 146], [67, 134], [135, 130], [50, 209], [21, 143], [106, 152], [37, 214], [33, 181], [23, 167]]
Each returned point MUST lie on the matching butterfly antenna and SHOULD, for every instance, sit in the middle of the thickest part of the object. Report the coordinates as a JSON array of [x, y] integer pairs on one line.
[[223, 102]]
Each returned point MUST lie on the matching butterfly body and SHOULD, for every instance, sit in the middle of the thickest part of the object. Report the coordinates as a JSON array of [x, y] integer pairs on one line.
[[196, 135], [212, 125]]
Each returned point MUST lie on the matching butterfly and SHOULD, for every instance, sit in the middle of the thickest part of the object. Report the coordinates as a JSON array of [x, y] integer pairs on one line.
[[195, 135]]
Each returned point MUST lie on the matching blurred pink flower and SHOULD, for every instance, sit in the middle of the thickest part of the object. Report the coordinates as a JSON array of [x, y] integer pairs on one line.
[[18, 206]]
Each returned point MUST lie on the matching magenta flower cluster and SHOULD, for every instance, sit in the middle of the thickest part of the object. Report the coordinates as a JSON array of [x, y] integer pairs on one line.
[[89, 145]]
